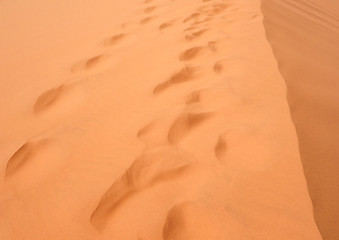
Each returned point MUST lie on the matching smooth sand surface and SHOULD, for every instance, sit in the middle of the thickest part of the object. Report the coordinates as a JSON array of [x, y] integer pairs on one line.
[[146, 120], [305, 39]]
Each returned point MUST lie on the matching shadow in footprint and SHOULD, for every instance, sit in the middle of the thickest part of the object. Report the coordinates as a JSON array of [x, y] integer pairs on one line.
[[184, 75], [191, 53], [149, 9], [33, 162], [195, 220], [114, 40], [89, 64], [184, 124], [21, 157], [62, 99], [193, 16], [146, 20], [166, 25], [195, 35], [220, 148]]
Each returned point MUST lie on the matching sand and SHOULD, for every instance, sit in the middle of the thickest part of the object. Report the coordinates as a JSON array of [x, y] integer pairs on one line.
[[304, 37], [154, 119]]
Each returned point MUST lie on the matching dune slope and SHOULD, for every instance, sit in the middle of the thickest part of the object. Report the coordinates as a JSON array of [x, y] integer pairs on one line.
[[304, 36]]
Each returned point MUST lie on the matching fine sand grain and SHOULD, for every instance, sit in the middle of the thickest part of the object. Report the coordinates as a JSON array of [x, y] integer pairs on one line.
[[152, 120]]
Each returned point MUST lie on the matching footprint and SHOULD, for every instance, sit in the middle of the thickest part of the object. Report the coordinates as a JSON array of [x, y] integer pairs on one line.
[[192, 16], [184, 124], [20, 158], [220, 148], [62, 99], [195, 35], [158, 165], [121, 40], [221, 6], [231, 67], [177, 221], [193, 220], [218, 67], [145, 130], [166, 25], [150, 9], [212, 46], [151, 168], [213, 99], [89, 64], [191, 53], [255, 16], [155, 133], [92, 62], [205, 20], [114, 40], [48, 99], [216, 9], [193, 98], [189, 29], [34, 161], [146, 20], [184, 75]]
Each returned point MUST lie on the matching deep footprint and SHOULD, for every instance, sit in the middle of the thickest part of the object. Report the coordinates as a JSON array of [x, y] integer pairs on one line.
[[191, 53], [34, 161], [184, 75], [185, 123], [152, 167], [62, 99]]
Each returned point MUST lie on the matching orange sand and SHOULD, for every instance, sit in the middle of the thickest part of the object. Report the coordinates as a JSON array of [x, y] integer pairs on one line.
[[146, 120], [305, 39]]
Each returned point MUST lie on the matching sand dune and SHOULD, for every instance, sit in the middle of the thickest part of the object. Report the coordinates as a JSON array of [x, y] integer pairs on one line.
[[304, 37], [147, 119]]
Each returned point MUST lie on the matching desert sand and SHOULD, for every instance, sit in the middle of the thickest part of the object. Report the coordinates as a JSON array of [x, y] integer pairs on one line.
[[167, 120], [305, 36]]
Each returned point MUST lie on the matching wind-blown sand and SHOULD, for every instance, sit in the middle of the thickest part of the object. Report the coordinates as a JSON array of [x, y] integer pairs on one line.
[[140, 120]]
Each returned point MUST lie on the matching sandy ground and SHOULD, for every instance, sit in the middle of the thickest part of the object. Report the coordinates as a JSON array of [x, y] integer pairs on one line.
[[147, 120]]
